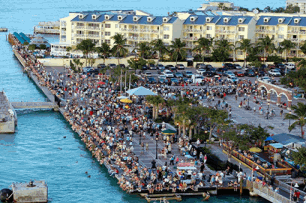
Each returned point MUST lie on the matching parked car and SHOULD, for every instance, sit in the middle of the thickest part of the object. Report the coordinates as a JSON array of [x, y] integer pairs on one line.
[[197, 79], [122, 65], [239, 73], [208, 74], [168, 67], [201, 71], [168, 74], [232, 79], [180, 67], [229, 73], [209, 67], [228, 66], [144, 67], [112, 65], [151, 80], [280, 65], [87, 69], [290, 65], [101, 65], [160, 67], [187, 74], [266, 79], [188, 80], [178, 75], [152, 67], [174, 80], [162, 80], [249, 72], [237, 66], [200, 65], [274, 73]]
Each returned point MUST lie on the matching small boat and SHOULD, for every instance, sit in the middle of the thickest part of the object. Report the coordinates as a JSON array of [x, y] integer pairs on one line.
[[162, 200], [206, 196]]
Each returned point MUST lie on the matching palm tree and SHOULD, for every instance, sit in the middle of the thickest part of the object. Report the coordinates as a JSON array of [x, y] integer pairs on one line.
[[156, 101], [299, 116], [245, 46], [204, 44], [221, 53], [68, 49], [143, 48], [286, 45], [158, 45], [178, 48], [119, 47], [266, 44], [104, 50], [86, 46]]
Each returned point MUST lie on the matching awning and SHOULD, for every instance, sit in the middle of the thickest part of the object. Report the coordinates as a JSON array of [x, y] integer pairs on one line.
[[140, 91], [277, 145]]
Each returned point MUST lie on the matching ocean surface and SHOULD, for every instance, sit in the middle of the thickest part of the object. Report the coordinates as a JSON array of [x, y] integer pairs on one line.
[[38, 150]]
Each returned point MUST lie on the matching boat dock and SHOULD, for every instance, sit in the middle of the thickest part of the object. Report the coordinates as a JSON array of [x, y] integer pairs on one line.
[[34, 105], [8, 117]]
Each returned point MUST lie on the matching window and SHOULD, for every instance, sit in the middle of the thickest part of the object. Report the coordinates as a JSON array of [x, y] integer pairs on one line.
[[166, 36], [107, 33], [280, 36], [209, 28], [116, 25], [107, 41], [208, 36], [241, 29], [107, 25], [166, 28], [262, 28], [239, 53], [241, 36], [281, 29]]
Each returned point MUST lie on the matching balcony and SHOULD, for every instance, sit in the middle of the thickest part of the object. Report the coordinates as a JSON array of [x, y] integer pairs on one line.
[[63, 32], [295, 40], [191, 38], [133, 38], [80, 35], [80, 27], [265, 31], [92, 28], [293, 31], [225, 31], [303, 32], [63, 25], [145, 39], [93, 36]]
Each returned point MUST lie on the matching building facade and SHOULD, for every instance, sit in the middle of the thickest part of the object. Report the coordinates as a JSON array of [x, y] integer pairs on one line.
[[299, 3]]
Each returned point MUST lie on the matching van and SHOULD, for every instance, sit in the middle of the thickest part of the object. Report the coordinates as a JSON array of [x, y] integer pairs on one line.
[[290, 65], [197, 78]]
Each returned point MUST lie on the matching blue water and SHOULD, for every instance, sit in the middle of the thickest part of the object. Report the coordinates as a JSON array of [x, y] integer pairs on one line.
[[38, 150]]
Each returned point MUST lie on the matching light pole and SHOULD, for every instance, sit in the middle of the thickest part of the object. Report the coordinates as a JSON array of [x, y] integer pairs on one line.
[[205, 140], [249, 101], [289, 118], [177, 131], [268, 110], [156, 148], [140, 138]]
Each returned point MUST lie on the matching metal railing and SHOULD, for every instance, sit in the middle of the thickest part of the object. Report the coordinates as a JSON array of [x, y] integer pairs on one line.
[[80, 27], [92, 28], [270, 194]]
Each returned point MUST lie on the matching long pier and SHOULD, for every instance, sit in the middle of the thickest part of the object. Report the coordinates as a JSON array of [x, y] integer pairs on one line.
[[34, 105]]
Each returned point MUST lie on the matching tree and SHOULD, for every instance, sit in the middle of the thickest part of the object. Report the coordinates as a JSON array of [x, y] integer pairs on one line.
[[104, 50], [86, 46], [267, 9], [221, 53], [215, 118], [286, 45], [137, 63], [32, 47], [303, 48], [299, 116], [296, 78], [78, 65], [221, 6], [144, 49], [158, 45], [292, 9], [68, 49], [156, 101], [178, 48], [299, 158], [245, 46], [266, 44], [43, 46], [119, 49], [203, 44]]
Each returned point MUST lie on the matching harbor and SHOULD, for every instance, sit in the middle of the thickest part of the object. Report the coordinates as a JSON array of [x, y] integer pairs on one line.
[[97, 153]]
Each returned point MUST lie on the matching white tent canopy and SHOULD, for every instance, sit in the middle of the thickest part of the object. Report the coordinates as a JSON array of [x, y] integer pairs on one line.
[[140, 91]]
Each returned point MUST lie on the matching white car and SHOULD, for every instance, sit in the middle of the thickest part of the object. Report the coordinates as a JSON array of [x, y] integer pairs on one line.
[[168, 74], [201, 71], [197, 78], [147, 74], [290, 65], [161, 76], [230, 73], [266, 79], [274, 73], [232, 79]]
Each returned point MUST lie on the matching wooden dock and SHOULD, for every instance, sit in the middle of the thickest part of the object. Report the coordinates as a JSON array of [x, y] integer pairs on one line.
[[34, 105]]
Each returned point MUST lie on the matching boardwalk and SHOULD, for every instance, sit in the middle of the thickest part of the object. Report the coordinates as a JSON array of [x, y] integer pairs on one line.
[[34, 105]]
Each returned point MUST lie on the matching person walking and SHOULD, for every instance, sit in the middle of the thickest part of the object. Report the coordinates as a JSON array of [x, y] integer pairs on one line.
[[205, 159], [147, 146], [281, 113]]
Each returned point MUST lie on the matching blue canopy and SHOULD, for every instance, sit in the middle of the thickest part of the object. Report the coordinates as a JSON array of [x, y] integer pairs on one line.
[[277, 145], [269, 139], [287, 139], [140, 91]]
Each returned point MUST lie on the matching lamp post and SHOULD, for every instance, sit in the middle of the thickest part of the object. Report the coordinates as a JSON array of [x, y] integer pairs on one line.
[[177, 131], [156, 148], [268, 110], [205, 140], [140, 138], [289, 118], [249, 101]]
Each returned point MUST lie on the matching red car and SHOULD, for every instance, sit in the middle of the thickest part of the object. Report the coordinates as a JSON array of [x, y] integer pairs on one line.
[[239, 73]]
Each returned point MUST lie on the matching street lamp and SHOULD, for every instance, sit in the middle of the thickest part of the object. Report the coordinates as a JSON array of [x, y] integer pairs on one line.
[[289, 117], [268, 110], [156, 148], [205, 140]]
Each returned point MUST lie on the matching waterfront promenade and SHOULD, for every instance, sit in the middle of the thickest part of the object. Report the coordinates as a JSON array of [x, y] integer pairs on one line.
[[107, 137]]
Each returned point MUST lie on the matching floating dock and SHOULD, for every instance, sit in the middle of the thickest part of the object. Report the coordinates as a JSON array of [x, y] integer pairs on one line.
[[8, 116], [2, 29], [34, 191]]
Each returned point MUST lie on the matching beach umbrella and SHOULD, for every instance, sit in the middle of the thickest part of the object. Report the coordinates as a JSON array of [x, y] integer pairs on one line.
[[169, 131], [126, 100], [255, 149]]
